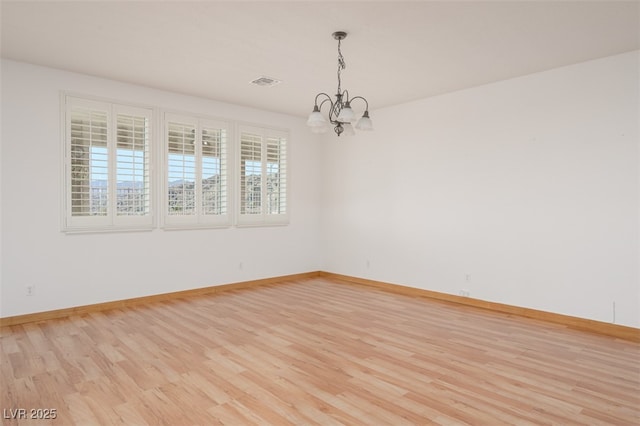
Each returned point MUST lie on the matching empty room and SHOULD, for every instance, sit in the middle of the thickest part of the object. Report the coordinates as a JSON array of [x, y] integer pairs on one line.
[[314, 212]]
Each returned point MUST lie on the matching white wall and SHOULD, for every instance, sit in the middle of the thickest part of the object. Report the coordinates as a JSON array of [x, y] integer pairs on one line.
[[530, 187], [72, 270]]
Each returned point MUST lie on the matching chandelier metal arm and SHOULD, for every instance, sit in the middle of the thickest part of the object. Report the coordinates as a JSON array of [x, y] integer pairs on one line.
[[322, 94], [330, 104], [333, 108], [365, 101]]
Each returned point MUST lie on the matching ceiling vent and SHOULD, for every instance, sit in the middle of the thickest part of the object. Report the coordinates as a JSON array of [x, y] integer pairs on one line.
[[265, 81]]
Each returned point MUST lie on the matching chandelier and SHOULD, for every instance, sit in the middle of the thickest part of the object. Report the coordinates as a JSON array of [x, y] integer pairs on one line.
[[340, 113]]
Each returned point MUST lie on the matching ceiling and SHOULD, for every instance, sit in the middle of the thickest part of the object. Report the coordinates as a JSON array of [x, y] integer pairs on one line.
[[395, 52]]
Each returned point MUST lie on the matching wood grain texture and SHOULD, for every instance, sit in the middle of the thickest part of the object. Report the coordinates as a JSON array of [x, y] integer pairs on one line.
[[609, 329], [315, 351], [614, 330], [118, 304]]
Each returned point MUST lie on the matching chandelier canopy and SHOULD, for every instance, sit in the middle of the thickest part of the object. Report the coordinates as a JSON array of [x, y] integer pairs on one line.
[[340, 113]]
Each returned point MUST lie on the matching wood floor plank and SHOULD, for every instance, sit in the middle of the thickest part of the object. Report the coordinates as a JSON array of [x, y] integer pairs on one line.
[[315, 351]]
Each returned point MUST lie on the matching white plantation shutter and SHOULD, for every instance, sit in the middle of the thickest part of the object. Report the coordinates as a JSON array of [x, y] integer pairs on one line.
[[132, 165], [214, 171], [89, 166], [196, 181], [181, 169], [250, 174], [276, 175], [107, 162], [263, 176]]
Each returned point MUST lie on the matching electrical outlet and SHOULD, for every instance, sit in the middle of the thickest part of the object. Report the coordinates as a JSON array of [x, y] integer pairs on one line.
[[465, 292], [368, 264], [31, 290]]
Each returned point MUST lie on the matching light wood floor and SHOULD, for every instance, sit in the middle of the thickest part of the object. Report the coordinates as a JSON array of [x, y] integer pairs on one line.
[[316, 352]]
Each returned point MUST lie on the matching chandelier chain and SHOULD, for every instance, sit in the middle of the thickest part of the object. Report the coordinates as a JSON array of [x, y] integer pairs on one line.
[[341, 65]]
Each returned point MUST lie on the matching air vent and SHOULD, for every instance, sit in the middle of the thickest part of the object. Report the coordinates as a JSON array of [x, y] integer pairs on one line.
[[265, 81]]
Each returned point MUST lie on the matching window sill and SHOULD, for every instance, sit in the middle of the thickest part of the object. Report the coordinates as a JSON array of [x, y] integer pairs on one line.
[[105, 230]]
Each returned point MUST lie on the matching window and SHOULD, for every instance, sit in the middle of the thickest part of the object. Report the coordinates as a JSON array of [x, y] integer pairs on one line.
[[263, 176], [107, 162], [196, 166], [110, 169]]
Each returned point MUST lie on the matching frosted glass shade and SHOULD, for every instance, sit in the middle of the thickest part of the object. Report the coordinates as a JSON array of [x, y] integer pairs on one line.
[[348, 129], [365, 123], [346, 114], [316, 119]]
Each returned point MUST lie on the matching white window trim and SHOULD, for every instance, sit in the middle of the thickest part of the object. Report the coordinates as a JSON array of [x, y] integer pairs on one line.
[[112, 221], [263, 219], [198, 220]]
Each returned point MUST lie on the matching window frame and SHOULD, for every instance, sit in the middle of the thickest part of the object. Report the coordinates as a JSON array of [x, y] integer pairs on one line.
[[264, 218], [111, 221], [198, 220]]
